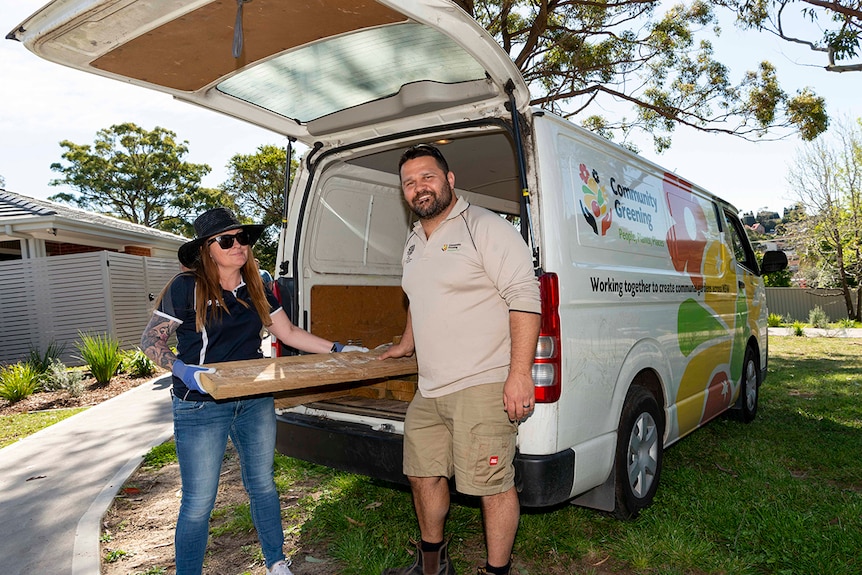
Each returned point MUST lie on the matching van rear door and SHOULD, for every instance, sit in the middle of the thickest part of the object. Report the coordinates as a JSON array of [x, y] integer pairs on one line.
[[328, 72]]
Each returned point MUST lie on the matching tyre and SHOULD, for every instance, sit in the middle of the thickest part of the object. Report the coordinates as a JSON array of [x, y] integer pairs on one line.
[[640, 450], [745, 409]]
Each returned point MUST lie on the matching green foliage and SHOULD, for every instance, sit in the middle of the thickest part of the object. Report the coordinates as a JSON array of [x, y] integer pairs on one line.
[[807, 112], [137, 364], [134, 174], [256, 182], [656, 57], [19, 381], [798, 328], [232, 520], [846, 323], [774, 320], [825, 176], [818, 318], [115, 555], [161, 455], [58, 377], [41, 361], [838, 26], [101, 353]]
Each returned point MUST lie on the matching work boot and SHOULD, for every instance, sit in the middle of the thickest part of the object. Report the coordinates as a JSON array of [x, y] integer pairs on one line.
[[427, 563]]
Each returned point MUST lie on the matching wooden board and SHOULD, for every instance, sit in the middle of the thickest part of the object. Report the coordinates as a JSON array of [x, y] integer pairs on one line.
[[302, 377]]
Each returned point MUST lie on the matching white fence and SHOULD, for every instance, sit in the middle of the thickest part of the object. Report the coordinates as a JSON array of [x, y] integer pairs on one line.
[[48, 301]]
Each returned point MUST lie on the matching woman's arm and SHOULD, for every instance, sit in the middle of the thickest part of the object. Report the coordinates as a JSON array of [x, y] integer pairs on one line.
[[295, 337], [154, 341]]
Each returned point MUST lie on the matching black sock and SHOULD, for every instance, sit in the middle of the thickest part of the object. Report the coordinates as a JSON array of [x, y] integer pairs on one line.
[[504, 570], [430, 547]]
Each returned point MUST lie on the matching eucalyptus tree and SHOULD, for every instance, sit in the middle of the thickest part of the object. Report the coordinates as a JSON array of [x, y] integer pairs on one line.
[[135, 174], [642, 65]]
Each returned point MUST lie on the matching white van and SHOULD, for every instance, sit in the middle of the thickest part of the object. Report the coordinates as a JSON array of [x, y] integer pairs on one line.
[[654, 311]]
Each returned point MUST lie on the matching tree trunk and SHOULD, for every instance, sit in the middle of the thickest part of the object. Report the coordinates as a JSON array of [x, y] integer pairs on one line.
[[845, 285]]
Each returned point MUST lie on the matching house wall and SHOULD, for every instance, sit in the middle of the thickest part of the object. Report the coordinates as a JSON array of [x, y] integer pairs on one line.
[[45, 301]]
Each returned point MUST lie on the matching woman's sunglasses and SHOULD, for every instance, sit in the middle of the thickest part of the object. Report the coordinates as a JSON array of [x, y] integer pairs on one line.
[[225, 242]]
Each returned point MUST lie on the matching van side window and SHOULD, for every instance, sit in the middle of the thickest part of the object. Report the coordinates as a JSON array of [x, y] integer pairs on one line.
[[742, 250]]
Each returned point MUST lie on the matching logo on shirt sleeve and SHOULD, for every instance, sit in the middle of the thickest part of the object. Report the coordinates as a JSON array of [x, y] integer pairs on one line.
[[409, 257]]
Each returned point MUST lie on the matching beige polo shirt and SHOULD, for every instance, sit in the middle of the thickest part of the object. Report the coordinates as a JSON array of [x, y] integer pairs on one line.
[[462, 282]]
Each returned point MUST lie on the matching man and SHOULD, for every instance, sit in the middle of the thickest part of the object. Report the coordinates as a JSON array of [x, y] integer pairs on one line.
[[473, 321]]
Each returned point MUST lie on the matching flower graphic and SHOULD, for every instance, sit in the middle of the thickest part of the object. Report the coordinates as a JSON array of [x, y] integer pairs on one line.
[[714, 360], [686, 238]]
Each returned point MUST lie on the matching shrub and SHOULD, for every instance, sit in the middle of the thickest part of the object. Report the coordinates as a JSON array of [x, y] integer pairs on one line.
[[818, 318], [846, 323], [798, 328], [137, 364], [18, 381], [41, 361], [102, 355], [774, 320], [58, 378]]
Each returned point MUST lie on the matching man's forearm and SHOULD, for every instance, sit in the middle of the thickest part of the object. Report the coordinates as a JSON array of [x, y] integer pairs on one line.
[[524, 331]]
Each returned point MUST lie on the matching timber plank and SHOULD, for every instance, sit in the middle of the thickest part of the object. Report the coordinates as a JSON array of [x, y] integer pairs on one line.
[[301, 372]]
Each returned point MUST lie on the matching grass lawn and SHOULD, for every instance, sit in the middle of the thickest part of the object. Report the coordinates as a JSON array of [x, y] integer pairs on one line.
[[14, 427], [781, 495]]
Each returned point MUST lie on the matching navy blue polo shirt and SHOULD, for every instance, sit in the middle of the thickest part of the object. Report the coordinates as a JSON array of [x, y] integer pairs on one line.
[[232, 336]]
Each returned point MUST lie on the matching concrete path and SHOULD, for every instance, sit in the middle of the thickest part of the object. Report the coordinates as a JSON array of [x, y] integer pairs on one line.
[[56, 485]]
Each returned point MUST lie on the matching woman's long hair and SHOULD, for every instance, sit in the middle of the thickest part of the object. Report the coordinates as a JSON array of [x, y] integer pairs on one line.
[[208, 289]]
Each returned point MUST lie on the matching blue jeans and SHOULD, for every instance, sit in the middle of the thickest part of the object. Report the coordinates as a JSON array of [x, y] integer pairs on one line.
[[201, 430]]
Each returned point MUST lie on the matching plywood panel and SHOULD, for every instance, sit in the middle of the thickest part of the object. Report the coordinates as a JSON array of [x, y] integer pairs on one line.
[[314, 374], [372, 315]]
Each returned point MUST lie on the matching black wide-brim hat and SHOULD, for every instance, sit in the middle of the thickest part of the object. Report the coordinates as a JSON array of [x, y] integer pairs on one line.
[[212, 223]]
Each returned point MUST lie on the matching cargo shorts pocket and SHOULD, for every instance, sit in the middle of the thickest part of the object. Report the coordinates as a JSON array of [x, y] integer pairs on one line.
[[491, 453]]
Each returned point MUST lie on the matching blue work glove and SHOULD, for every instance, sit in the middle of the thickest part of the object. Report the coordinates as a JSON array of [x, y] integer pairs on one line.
[[191, 375], [339, 347]]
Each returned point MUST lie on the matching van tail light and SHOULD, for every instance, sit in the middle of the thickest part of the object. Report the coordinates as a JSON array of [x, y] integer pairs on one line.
[[548, 362]]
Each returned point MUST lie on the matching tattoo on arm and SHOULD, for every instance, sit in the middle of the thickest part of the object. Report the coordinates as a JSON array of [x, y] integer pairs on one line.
[[154, 341]]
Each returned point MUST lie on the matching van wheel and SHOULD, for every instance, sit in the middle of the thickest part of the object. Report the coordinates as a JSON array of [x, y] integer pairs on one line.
[[640, 450], [745, 409]]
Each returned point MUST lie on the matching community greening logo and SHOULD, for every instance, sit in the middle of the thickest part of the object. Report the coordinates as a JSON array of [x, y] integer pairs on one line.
[[595, 204]]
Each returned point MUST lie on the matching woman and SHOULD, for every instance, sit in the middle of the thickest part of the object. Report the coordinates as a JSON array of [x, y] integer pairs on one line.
[[217, 309]]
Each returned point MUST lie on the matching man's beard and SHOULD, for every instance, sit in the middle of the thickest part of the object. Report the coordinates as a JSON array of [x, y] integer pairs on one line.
[[436, 206]]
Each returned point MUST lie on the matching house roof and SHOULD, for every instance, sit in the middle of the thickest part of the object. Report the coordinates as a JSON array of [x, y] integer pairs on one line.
[[15, 206], [24, 218]]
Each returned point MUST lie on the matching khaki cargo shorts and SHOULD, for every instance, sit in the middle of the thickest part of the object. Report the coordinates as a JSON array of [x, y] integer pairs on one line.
[[466, 434]]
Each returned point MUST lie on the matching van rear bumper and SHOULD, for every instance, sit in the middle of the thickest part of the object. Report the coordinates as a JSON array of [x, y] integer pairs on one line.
[[541, 480]]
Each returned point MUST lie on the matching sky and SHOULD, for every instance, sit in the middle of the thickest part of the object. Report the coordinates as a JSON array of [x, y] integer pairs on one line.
[[43, 103]]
